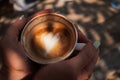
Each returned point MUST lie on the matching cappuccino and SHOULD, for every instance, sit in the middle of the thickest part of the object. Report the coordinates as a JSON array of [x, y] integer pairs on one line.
[[48, 38]]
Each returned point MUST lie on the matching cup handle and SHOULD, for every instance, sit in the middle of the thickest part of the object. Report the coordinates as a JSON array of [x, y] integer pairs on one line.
[[79, 46]]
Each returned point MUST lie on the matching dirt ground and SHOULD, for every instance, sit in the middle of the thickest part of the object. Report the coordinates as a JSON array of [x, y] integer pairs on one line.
[[96, 19]]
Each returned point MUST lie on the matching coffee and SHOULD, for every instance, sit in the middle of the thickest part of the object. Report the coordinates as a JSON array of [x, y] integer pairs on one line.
[[48, 38]]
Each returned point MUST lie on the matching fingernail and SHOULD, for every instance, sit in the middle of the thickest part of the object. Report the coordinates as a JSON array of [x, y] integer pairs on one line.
[[21, 17], [78, 30], [77, 27], [96, 44]]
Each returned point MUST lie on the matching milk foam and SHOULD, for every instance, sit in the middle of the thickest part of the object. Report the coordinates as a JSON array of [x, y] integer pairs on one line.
[[49, 40]]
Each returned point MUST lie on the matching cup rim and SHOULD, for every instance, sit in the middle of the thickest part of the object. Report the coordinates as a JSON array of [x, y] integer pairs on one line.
[[57, 60]]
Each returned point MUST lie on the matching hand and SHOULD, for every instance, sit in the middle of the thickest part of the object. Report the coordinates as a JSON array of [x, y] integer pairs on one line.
[[17, 66], [79, 67]]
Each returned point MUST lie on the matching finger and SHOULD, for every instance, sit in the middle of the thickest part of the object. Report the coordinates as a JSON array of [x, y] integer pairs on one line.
[[88, 70], [14, 29], [82, 38], [82, 59], [19, 24]]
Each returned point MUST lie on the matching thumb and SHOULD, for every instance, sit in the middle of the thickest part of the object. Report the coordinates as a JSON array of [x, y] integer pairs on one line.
[[88, 69], [83, 58], [15, 28]]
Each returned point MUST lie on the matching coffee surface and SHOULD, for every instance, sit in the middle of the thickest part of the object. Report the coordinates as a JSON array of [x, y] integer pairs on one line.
[[51, 39]]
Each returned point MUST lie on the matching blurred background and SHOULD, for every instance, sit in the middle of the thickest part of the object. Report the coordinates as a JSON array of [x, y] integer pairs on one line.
[[97, 19]]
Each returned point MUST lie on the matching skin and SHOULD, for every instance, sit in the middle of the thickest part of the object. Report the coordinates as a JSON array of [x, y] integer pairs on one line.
[[16, 66]]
